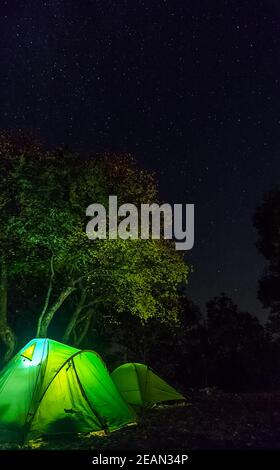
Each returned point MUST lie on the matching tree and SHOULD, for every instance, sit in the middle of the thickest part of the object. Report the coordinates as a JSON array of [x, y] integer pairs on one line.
[[175, 350], [267, 223], [235, 345], [44, 229]]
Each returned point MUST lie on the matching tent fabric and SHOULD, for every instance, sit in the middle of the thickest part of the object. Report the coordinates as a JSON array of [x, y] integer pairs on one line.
[[52, 388], [140, 386], [28, 352]]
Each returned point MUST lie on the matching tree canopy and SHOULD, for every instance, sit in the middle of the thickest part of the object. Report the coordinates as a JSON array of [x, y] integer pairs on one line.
[[46, 254]]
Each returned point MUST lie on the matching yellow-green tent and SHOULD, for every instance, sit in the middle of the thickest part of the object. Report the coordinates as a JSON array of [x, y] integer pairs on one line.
[[140, 386], [51, 388]]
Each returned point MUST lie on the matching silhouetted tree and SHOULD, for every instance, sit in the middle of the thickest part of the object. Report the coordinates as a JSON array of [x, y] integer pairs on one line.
[[267, 223], [236, 345]]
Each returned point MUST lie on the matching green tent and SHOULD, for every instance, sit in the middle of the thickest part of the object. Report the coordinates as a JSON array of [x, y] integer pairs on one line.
[[140, 386], [51, 388]]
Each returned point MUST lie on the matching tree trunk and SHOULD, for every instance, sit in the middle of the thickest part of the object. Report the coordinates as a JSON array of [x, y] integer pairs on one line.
[[6, 333], [42, 333], [47, 299], [81, 336], [75, 316]]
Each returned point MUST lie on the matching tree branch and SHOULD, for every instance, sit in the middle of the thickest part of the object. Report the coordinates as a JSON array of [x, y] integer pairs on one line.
[[84, 331], [51, 312], [75, 316], [47, 299]]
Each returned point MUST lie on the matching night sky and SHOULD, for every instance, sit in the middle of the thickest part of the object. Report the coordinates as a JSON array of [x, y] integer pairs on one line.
[[191, 88]]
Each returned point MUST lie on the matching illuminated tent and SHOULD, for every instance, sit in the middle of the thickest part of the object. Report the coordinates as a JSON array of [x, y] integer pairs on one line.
[[140, 386], [51, 388]]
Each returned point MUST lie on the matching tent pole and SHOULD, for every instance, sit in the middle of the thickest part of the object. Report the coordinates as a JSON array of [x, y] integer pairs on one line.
[[95, 412]]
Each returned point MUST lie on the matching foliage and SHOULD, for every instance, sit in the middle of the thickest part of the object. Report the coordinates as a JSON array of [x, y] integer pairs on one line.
[[236, 343], [43, 204], [267, 223], [228, 348]]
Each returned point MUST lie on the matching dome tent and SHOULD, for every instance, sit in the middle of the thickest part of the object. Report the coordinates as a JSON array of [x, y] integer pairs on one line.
[[140, 386], [51, 388]]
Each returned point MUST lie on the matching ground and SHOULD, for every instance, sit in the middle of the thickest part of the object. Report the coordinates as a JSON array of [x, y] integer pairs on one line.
[[208, 420]]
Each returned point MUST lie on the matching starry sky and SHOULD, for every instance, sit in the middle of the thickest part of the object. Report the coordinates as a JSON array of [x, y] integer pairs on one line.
[[191, 88]]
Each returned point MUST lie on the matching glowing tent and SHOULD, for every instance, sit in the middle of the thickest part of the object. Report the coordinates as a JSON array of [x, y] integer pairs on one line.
[[51, 388], [140, 386]]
